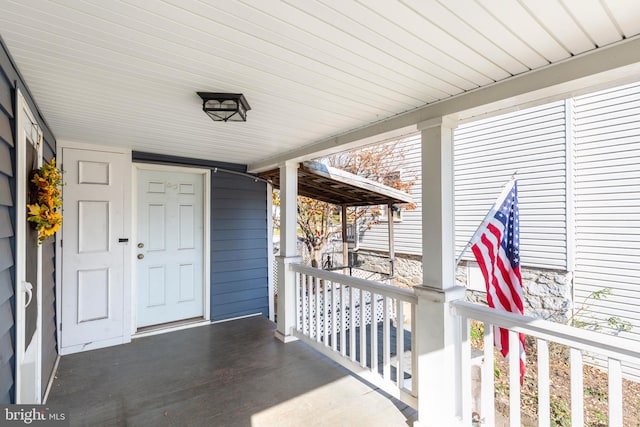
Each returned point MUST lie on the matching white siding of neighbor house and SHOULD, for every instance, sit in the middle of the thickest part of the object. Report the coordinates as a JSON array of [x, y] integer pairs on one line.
[[489, 151], [407, 231], [595, 141], [607, 197]]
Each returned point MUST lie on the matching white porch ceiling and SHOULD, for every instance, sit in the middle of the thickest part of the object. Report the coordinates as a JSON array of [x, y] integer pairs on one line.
[[126, 73]]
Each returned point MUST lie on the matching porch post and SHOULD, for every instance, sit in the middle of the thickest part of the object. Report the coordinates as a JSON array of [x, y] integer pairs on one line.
[[436, 328], [392, 248], [345, 243], [288, 251]]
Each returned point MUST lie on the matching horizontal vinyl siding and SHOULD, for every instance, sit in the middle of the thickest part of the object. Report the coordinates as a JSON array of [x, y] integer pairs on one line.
[[488, 152], [408, 231], [607, 194], [238, 247], [6, 236]]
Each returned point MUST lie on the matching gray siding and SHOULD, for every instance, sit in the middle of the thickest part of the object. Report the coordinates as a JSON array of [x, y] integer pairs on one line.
[[49, 337], [607, 194], [7, 155], [49, 334], [488, 152], [239, 253]]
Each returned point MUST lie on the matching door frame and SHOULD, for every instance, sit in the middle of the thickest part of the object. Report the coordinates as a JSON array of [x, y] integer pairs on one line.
[[23, 114], [206, 262], [128, 254]]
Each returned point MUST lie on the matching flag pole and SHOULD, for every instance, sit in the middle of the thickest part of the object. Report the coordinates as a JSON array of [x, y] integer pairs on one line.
[[489, 214]]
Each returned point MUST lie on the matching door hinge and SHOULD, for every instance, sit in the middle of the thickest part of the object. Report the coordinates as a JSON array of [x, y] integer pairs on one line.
[[60, 326], [60, 242]]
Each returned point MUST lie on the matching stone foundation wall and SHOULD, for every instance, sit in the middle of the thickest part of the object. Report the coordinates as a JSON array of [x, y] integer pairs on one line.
[[408, 268], [547, 293]]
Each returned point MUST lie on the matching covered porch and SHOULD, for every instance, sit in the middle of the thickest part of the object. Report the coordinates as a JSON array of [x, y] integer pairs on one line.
[[226, 374], [321, 79]]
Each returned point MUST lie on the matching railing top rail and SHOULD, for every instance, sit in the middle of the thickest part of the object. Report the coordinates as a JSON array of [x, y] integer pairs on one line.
[[368, 285], [582, 339]]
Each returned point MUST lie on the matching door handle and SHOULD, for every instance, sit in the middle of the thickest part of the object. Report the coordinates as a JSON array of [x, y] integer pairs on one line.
[[140, 256], [28, 288]]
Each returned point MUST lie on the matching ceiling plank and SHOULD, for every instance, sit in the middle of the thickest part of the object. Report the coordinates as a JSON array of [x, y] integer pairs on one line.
[[592, 69]]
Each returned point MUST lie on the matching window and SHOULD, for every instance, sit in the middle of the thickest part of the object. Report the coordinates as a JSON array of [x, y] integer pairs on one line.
[[396, 213]]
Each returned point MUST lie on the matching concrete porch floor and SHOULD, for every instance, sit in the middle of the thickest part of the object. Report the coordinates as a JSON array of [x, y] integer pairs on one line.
[[227, 374]]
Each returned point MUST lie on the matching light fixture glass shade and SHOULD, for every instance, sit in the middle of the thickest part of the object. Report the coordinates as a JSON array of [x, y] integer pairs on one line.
[[225, 107]]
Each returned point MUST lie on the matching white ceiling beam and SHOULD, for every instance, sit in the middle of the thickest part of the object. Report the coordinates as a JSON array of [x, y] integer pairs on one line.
[[594, 70]]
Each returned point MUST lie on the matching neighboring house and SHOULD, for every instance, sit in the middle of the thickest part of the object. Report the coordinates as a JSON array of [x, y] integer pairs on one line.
[[576, 162], [199, 227]]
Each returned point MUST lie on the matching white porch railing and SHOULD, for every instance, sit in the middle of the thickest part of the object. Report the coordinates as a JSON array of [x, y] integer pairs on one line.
[[361, 325], [580, 343], [369, 328]]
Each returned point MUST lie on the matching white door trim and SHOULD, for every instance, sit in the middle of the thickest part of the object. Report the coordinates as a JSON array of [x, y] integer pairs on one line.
[[206, 176], [23, 113], [61, 144]]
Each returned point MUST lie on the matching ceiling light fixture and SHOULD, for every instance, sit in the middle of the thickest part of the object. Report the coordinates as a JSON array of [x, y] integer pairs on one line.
[[225, 107]]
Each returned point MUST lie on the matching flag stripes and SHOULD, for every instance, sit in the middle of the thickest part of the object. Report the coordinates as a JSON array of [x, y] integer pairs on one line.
[[496, 247]]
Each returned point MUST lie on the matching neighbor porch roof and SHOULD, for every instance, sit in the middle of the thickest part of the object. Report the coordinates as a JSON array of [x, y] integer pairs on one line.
[[328, 184]]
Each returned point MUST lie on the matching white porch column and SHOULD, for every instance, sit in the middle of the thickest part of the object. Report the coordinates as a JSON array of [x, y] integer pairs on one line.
[[436, 328], [288, 251]]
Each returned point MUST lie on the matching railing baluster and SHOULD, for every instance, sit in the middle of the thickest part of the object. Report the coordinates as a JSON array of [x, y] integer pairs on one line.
[[311, 304], [488, 379], [334, 317], [363, 328], [386, 340], [298, 304], [615, 392], [325, 313], [343, 321], [577, 393], [465, 375], [544, 415], [414, 359], [616, 349], [352, 324], [374, 333], [306, 313], [400, 344], [514, 378], [317, 295], [330, 306]]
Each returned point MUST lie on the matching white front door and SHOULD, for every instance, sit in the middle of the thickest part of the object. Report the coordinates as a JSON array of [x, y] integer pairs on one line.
[[28, 264], [94, 247], [170, 246]]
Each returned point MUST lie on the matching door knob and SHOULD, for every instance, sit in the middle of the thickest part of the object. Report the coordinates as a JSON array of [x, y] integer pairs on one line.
[[141, 245], [140, 256]]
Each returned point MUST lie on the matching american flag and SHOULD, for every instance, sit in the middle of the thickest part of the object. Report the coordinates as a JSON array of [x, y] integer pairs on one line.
[[496, 246]]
